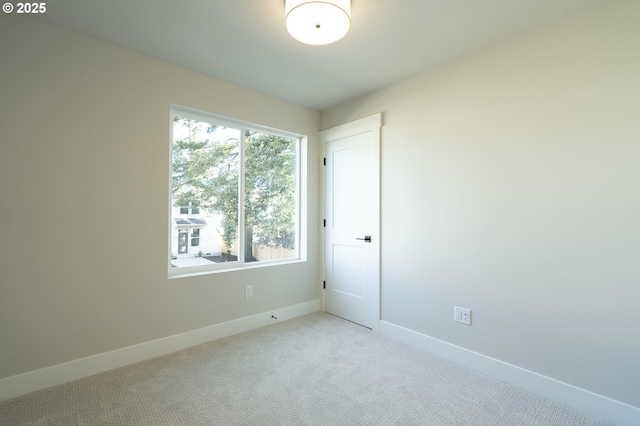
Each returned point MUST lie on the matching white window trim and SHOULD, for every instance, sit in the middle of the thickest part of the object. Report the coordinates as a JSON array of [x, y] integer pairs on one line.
[[301, 189]]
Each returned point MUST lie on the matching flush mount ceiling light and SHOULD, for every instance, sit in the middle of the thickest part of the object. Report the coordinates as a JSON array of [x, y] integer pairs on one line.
[[318, 22]]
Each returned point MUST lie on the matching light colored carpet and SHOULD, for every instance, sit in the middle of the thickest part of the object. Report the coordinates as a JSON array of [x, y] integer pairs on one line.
[[313, 370]]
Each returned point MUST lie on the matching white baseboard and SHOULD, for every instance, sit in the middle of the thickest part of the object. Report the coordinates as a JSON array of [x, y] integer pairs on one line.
[[32, 381], [598, 406]]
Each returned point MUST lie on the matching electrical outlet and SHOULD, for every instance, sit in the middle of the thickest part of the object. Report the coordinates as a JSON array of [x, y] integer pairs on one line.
[[248, 291], [462, 315]]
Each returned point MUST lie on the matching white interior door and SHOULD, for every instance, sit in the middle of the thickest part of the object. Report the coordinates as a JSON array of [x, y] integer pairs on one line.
[[352, 221]]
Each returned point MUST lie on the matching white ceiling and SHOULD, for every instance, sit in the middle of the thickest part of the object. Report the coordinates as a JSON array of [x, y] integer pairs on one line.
[[245, 41]]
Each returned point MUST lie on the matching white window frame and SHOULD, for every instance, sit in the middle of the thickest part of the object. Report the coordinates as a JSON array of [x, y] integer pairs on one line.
[[301, 190]]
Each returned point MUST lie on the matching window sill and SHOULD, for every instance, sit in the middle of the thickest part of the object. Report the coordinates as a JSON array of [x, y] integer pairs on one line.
[[219, 270]]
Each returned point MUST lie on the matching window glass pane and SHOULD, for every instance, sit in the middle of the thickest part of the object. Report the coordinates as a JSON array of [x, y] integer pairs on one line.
[[270, 197], [205, 176]]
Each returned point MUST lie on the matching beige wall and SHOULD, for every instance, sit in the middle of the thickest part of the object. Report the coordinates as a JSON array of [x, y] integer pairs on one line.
[[510, 185], [84, 175]]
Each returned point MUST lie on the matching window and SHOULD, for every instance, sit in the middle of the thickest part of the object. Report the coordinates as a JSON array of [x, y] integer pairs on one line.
[[235, 194], [192, 208], [195, 237]]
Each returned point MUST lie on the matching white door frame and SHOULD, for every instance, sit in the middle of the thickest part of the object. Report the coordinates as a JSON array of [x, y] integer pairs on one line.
[[367, 124]]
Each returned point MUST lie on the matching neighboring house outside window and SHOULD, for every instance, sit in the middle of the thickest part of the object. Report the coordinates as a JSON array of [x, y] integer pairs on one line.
[[191, 236]]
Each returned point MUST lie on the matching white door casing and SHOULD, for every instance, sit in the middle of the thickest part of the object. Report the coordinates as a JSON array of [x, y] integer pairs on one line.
[[352, 221]]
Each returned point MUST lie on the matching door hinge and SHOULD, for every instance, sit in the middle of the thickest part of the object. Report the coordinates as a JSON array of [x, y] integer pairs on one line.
[[324, 284], [325, 161]]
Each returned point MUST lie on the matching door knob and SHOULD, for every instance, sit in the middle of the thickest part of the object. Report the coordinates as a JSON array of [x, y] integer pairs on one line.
[[366, 239]]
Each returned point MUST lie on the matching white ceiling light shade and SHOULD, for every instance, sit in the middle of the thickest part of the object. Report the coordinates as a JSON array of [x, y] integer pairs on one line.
[[318, 22]]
